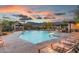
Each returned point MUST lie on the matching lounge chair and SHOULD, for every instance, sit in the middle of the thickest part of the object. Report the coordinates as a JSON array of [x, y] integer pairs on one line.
[[73, 40], [59, 47], [76, 48], [67, 42]]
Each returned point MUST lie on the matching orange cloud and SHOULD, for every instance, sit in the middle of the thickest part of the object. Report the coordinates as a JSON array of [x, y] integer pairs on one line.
[[23, 10], [15, 9]]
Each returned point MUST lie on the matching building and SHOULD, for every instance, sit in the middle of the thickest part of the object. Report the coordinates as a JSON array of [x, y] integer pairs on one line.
[[18, 26]]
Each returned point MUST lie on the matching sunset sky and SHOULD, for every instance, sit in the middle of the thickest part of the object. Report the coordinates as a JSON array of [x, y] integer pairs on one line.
[[38, 9], [56, 8]]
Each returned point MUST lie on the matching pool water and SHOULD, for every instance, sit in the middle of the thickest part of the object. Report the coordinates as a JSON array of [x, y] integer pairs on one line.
[[37, 36]]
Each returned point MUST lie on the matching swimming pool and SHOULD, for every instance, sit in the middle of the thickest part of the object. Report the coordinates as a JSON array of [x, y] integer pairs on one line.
[[37, 36]]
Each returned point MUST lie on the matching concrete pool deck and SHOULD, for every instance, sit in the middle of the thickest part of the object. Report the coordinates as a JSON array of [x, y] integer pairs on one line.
[[16, 45]]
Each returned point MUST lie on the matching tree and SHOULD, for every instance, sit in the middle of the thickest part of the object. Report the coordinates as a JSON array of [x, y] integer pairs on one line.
[[49, 25], [77, 15], [7, 25], [64, 25]]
